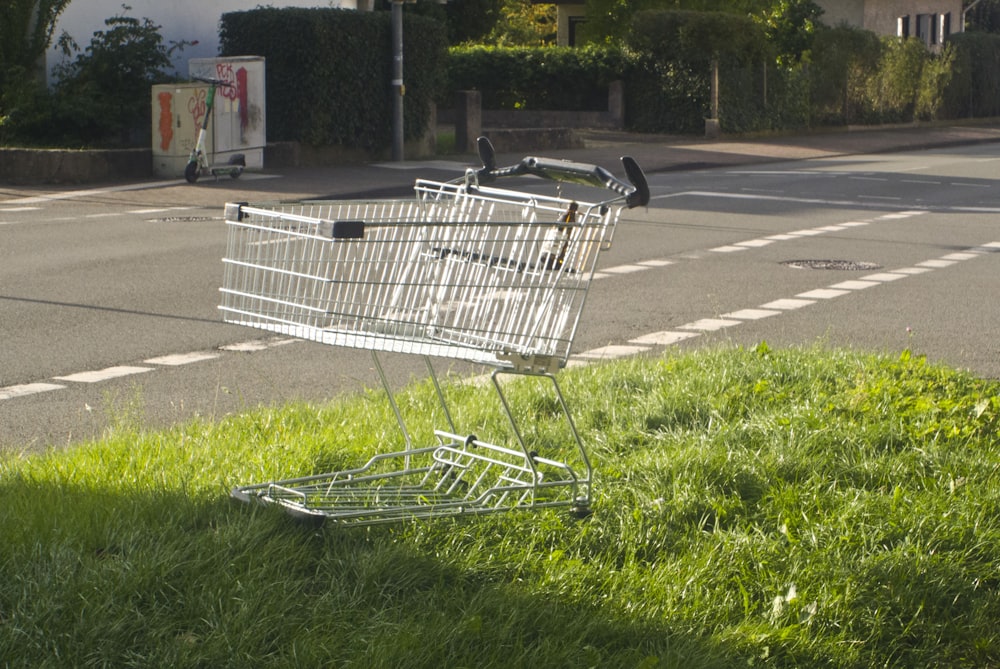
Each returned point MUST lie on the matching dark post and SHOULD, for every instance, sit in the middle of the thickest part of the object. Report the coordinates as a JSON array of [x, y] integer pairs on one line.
[[468, 120], [397, 80], [616, 103]]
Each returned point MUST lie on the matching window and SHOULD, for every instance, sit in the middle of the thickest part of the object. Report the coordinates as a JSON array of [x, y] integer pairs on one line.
[[574, 24]]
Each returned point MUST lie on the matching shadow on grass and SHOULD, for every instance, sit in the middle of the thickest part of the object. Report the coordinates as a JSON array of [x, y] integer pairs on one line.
[[162, 578]]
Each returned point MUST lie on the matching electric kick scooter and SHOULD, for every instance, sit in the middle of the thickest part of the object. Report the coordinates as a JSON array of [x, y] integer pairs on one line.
[[198, 162]]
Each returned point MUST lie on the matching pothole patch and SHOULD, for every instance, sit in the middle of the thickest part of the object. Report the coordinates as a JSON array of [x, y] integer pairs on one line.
[[842, 265], [183, 219]]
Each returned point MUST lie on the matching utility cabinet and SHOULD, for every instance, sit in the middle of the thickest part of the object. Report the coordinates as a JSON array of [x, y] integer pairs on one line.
[[238, 123]]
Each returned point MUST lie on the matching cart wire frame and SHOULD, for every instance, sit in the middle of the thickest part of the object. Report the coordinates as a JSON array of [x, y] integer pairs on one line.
[[465, 271]]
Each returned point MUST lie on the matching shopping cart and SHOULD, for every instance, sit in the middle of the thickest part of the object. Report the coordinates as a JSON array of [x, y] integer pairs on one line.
[[464, 270]]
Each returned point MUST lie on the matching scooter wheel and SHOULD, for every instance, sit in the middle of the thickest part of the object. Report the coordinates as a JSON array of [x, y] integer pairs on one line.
[[191, 172]]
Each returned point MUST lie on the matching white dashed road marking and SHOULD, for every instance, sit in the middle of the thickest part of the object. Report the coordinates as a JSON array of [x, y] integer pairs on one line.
[[709, 324], [854, 284], [27, 389], [665, 338], [104, 374], [635, 346], [775, 307], [613, 351], [751, 314], [174, 360], [181, 359], [823, 294], [787, 304]]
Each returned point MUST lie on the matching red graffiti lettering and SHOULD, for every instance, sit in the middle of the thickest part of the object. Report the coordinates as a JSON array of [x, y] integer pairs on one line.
[[166, 120], [241, 88], [197, 105]]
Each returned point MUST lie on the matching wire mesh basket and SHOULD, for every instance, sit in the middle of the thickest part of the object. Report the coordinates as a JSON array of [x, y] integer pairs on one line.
[[463, 271]]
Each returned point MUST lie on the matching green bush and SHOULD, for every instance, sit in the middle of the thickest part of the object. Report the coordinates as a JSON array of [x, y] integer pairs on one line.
[[671, 89], [25, 34], [697, 37], [848, 76], [329, 72], [974, 88], [101, 98], [891, 93], [555, 78], [763, 97], [841, 61]]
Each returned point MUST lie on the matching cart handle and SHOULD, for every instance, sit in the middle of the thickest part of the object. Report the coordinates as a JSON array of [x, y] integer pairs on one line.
[[636, 193]]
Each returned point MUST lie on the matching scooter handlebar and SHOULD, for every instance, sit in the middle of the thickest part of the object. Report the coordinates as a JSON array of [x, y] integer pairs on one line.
[[213, 82]]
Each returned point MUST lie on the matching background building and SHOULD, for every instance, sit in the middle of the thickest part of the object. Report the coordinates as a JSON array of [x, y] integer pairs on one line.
[[181, 20]]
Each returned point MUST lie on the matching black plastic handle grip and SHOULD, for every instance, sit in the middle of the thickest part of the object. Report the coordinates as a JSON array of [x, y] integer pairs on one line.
[[213, 82], [636, 193]]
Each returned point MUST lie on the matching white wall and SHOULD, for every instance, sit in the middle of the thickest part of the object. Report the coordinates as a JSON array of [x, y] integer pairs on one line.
[[187, 20]]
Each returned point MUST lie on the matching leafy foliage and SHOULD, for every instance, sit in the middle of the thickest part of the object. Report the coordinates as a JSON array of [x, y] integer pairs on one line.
[[779, 70], [26, 32], [609, 21], [331, 85], [102, 96], [842, 60], [557, 78], [108, 83], [471, 21], [974, 88], [984, 16], [789, 26], [525, 23], [694, 38]]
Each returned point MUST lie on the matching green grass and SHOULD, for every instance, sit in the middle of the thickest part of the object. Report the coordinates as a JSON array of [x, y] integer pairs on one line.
[[445, 142], [779, 508]]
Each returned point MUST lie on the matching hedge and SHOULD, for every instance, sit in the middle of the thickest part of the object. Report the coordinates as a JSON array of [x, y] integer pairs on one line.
[[552, 78], [849, 76], [329, 72], [330, 83]]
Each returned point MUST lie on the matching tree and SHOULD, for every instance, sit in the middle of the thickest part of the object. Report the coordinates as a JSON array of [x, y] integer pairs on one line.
[[471, 20], [609, 20], [25, 34], [984, 16], [523, 23], [790, 26], [109, 82], [99, 99]]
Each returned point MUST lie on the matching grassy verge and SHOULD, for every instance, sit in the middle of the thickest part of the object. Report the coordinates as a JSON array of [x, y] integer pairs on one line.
[[752, 508]]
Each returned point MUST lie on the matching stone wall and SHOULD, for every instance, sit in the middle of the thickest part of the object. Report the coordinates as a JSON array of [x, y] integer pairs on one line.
[[60, 166]]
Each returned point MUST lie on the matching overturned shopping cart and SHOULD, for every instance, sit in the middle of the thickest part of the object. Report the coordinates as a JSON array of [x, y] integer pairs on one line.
[[464, 270]]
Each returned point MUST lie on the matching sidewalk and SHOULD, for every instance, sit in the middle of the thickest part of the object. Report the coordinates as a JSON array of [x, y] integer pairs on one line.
[[664, 153], [654, 153]]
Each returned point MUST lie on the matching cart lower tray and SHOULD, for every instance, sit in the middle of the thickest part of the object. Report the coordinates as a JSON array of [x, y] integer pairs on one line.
[[460, 477]]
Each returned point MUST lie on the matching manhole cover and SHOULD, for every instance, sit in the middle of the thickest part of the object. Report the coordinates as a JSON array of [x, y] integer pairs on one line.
[[183, 219], [844, 265]]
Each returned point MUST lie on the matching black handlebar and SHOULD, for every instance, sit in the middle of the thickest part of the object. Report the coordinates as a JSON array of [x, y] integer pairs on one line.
[[636, 193], [213, 82]]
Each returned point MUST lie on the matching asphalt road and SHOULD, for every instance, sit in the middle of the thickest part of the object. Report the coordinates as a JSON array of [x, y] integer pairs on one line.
[[108, 296]]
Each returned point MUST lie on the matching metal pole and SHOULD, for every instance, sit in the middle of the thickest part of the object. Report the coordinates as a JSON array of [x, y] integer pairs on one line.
[[715, 88], [397, 80]]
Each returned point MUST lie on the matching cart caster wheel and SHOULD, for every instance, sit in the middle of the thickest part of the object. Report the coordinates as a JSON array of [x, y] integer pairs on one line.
[[191, 172], [235, 174], [581, 511]]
